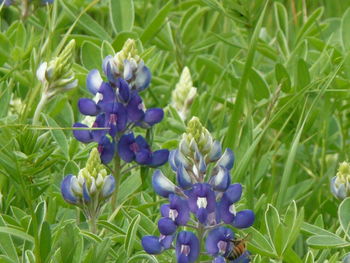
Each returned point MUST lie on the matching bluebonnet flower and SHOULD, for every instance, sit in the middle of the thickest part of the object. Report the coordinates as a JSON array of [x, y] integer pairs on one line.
[[118, 108], [340, 184], [204, 190], [91, 188]]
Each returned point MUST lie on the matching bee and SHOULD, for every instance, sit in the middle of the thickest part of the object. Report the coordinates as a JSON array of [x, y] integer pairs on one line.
[[238, 248]]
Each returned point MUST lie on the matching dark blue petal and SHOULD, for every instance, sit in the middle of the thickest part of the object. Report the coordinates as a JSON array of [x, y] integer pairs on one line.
[[181, 206], [166, 226], [162, 185], [183, 178], [233, 193], [187, 247], [153, 116], [214, 237], [244, 219], [135, 109], [124, 90], [82, 135], [244, 258], [141, 142], [143, 157], [66, 190], [221, 180], [166, 241], [105, 63], [124, 150], [93, 81], [151, 245], [215, 151], [219, 259], [202, 215], [159, 157], [106, 149], [88, 107], [99, 123]]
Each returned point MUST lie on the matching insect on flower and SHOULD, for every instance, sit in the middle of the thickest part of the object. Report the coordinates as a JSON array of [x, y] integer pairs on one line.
[[239, 249]]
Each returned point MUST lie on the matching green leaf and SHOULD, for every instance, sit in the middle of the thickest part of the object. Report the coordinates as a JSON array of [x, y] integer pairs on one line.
[[91, 55], [281, 17], [158, 21], [327, 242], [344, 216], [272, 221], [260, 88], [129, 186], [345, 24], [303, 74], [17, 233], [121, 13], [5, 48], [58, 135], [45, 241], [309, 24], [282, 77], [106, 50], [6, 245], [131, 235], [71, 167]]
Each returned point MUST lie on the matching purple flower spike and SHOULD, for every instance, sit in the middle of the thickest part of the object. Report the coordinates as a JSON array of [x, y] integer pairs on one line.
[[151, 245], [93, 81], [88, 107], [106, 149], [202, 201], [162, 185], [227, 159], [82, 135], [219, 242], [244, 219], [66, 190], [187, 247], [166, 226]]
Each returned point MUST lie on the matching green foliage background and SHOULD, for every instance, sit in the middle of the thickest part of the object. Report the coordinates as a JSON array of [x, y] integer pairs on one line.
[[273, 82]]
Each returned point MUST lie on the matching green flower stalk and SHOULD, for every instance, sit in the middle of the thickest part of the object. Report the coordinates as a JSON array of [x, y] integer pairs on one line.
[[183, 94], [56, 76], [340, 184]]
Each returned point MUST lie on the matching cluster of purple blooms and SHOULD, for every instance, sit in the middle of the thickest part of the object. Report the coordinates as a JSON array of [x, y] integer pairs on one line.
[[118, 108], [10, 2], [211, 201]]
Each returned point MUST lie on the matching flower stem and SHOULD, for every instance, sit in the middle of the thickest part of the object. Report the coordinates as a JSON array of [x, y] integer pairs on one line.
[[39, 109], [200, 233], [92, 225], [117, 176]]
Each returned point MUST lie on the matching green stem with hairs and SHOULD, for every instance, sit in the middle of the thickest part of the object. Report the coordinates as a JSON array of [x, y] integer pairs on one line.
[[117, 176], [39, 108]]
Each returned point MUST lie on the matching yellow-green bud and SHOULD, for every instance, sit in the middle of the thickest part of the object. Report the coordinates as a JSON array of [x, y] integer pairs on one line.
[[343, 175], [184, 93], [129, 52]]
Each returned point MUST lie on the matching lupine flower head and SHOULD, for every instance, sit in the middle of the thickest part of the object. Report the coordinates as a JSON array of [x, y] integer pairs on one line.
[[90, 189], [204, 193], [340, 184], [183, 94], [57, 74], [119, 108]]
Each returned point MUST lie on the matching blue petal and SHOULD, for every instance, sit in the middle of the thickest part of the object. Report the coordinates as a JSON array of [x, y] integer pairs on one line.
[[166, 226], [108, 186], [202, 215], [233, 193], [162, 185], [143, 78], [189, 239], [144, 157], [86, 195], [66, 190], [106, 149], [88, 107], [94, 81], [82, 135], [172, 160], [124, 150], [219, 259], [227, 159], [124, 90], [151, 245], [215, 151], [166, 241], [159, 157], [244, 219], [153, 116], [221, 180], [183, 178]]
